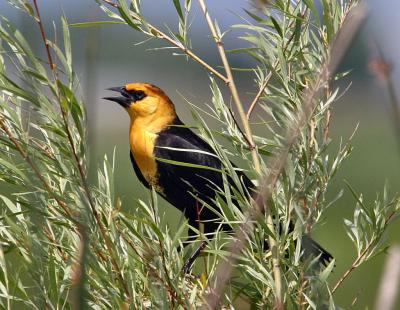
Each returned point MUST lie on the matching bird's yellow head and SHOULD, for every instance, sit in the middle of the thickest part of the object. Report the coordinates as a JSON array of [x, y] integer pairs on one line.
[[145, 103]]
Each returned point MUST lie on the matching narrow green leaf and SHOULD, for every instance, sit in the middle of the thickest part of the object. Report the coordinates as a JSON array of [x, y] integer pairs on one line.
[[67, 42], [277, 27], [254, 16], [178, 8], [178, 163], [95, 24], [126, 15]]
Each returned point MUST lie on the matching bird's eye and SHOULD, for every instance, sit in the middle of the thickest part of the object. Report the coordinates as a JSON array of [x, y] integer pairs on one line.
[[138, 94]]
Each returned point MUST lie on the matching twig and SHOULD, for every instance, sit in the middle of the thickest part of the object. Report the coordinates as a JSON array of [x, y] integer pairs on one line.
[[34, 168], [258, 96], [211, 300], [232, 87], [359, 258], [43, 34], [350, 24], [268, 78], [352, 267], [75, 155], [177, 44]]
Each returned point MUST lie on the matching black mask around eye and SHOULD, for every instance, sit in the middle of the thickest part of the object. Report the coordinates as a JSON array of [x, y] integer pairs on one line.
[[137, 94]]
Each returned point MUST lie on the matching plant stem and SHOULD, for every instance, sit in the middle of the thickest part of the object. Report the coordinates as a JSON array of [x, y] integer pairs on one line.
[[268, 78], [34, 168], [357, 261], [346, 31], [43, 34], [258, 96], [273, 243], [232, 87], [81, 171], [352, 267], [177, 44]]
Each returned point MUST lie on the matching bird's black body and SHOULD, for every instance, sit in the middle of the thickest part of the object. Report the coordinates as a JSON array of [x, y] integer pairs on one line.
[[187, 187]]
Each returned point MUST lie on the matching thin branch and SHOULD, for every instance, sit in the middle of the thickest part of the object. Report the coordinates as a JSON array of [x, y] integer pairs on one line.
[[258, 96], [75, 155], [179, 45], [256, 162], [268, 78], [43, 34], [350, 24], [188, 52], [359, 258], [353, 266], [232, 86], [34, 168]]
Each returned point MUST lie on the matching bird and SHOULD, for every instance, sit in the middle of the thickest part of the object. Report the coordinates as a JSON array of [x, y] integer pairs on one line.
[[179, 165]]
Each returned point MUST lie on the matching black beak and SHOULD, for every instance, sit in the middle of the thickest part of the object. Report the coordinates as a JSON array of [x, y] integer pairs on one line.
[[125, 100]]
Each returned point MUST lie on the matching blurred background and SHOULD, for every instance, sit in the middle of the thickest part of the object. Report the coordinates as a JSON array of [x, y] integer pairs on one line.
[[109, 56]]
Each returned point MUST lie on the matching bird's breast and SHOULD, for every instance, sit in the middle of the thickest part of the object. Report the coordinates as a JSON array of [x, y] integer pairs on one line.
[[142, 145]]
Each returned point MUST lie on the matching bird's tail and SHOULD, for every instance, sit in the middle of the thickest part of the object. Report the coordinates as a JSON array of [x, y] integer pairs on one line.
[[313, 249]]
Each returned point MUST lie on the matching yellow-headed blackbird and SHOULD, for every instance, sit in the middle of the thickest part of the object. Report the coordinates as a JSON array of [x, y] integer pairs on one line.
[[159, 141]]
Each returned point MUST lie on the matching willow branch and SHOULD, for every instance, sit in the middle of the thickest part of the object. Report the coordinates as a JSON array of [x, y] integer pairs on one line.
[[268, 78], [349, 26], [258, 96], [34, 168], [232, 87], [256, 161], [162, 35], [81, 171], [360, 258]]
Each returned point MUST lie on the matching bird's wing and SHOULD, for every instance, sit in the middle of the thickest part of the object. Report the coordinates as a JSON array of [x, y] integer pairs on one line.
[[183, 154]]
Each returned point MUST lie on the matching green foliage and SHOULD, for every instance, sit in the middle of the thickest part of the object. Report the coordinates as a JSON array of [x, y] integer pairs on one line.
[[66, 243]]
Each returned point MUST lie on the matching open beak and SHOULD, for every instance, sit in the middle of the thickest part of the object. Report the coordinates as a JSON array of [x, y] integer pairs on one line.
[[125, 100]]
